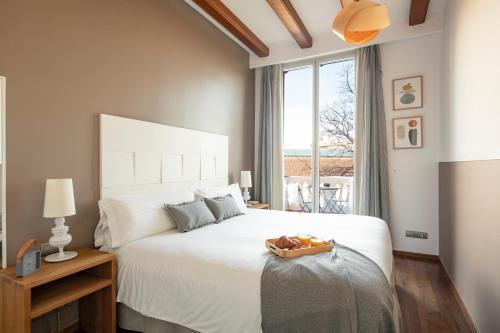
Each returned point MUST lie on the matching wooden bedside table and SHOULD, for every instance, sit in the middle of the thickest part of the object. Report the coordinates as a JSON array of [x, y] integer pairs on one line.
[[89, 278], [259, 206]]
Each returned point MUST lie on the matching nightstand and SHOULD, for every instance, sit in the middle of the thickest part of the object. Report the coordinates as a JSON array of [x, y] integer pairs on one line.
[[259, 206], [90, 278]]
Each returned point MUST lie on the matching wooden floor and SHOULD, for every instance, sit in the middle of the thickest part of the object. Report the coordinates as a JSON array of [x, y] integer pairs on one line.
[[428, 304], [426, 298]]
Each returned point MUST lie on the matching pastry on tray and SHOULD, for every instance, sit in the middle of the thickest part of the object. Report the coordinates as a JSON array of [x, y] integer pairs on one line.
[[286, 243]]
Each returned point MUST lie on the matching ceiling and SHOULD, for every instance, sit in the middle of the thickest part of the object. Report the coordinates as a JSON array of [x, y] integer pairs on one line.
[[317, 16]]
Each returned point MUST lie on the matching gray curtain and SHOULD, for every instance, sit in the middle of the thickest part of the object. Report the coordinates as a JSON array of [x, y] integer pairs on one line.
[[269, 182], [371, 183]]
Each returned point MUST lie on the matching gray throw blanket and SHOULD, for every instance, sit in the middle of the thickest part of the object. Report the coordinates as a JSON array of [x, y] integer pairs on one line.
[[340, 291]]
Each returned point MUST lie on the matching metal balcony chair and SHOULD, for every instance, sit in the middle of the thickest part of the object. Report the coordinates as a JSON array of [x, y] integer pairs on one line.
[[305, 206], [342, 199]]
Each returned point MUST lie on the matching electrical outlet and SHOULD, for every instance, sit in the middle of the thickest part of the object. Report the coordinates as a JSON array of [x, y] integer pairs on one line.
[[417, 234]]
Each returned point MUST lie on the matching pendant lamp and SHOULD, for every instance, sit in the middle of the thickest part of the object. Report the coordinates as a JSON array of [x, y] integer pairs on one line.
[[360, 21]]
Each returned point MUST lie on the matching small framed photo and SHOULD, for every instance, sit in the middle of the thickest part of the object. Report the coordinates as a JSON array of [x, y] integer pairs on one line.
[[408, 93], [407, 133]]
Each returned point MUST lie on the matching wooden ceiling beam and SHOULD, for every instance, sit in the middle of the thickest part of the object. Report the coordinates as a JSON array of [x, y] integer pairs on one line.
[[291, 20], [225, 17], [418, 11]]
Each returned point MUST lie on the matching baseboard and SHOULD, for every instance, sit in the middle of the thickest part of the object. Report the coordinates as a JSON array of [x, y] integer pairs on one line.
[[415, 255], [461, 304]]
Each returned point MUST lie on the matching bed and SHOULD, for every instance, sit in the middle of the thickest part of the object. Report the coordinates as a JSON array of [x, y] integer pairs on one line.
[[208, 279]]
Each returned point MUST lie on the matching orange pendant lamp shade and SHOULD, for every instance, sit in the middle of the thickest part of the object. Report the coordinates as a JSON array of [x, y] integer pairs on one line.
[[360, 21]]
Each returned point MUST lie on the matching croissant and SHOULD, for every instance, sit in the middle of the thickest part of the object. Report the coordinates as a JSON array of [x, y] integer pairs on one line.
[[298, 244], [286, 243]]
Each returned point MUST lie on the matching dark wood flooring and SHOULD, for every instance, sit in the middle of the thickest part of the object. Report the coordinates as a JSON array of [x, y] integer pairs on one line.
[[427, 301], [428, 304]]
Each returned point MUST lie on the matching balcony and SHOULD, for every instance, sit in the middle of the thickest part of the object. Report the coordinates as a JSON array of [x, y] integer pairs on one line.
[[335, 194]]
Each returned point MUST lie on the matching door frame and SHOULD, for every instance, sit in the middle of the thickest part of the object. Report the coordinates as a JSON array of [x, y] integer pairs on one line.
[[3, 155], [316, 64]]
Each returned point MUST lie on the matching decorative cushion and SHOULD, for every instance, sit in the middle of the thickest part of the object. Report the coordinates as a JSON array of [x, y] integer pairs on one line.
[[191, 215], [223, 207], [219, 191]]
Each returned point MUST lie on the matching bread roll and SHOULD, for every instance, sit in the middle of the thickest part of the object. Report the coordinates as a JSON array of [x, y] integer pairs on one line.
[[286, 243]]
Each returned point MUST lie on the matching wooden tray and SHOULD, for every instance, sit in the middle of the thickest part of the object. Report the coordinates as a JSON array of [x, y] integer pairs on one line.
[[285, 253]]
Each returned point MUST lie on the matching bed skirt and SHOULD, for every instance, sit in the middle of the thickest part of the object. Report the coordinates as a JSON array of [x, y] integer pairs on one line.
[[132, 320]]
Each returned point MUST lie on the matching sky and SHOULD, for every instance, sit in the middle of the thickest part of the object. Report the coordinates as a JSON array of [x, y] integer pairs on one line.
[[298, 101]]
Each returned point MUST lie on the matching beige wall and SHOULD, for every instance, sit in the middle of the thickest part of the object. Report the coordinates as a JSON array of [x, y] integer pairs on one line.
[[470, 236], [470, 114], [469, 198], [68, 61]]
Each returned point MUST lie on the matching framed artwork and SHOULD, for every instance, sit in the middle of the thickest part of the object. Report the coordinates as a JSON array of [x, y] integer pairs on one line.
[[408, 93], [407, 133]]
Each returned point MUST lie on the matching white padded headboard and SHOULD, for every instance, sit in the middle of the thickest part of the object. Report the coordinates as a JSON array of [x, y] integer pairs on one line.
[[141, 157]]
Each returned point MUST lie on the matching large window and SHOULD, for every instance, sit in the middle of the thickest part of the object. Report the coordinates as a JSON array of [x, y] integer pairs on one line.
[[319, 134]]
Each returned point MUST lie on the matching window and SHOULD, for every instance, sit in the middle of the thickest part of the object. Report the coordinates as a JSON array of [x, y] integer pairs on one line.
[[319, 113]]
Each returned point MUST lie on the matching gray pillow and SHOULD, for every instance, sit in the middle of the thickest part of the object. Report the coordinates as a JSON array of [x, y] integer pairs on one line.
[[223, 207], [190, 215]]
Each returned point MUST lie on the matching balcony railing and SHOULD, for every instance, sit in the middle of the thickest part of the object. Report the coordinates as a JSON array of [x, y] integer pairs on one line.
[[335, 194]]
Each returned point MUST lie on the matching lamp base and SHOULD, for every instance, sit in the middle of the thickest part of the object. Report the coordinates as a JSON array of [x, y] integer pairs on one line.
[[61, 256], [60, 238], [246, 195]]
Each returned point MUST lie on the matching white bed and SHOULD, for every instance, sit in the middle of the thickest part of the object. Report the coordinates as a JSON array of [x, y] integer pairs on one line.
[[208, 280]]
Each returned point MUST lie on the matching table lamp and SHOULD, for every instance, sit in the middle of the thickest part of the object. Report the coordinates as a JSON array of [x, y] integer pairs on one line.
[[59, 203], [246, 182]]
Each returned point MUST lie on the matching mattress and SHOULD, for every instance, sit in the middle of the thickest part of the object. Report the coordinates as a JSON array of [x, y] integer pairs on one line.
[[208, 280]]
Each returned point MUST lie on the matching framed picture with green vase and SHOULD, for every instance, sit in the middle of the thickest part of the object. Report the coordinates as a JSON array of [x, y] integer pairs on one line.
[[408, 93]]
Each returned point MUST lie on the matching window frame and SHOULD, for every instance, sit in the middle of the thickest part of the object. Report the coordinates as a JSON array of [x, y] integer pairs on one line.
[[316, 64]]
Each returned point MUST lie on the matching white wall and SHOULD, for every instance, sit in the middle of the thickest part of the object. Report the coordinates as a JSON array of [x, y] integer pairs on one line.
[[414, 173], [471, 112]]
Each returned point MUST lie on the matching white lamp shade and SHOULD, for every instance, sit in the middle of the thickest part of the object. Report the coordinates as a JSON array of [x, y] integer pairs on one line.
[[246, 179], [59, 198]]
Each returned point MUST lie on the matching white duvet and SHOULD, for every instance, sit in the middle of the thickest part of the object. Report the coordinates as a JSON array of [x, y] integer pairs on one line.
[[209, 279]]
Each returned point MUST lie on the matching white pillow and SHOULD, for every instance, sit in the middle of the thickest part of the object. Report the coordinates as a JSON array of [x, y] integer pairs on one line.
[[126, 219], [218, 191], [102, 236]]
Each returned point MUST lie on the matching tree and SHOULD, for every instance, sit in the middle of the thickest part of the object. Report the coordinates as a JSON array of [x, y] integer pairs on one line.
[[337, 129], [337, 119], [337, 124]]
